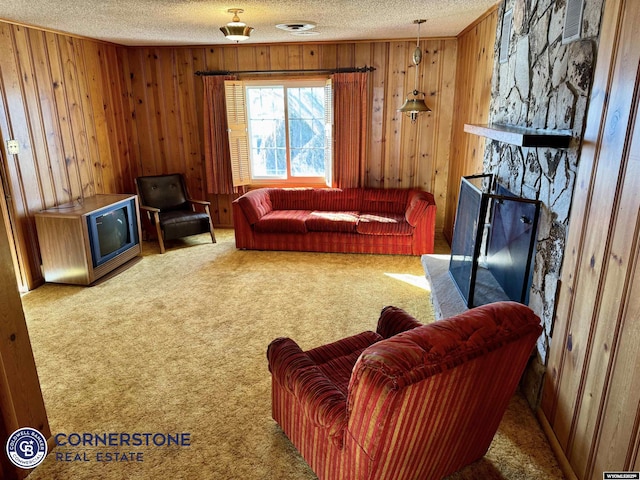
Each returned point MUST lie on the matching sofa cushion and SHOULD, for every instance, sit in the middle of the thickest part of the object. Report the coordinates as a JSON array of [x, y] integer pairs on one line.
[[336, 199], [292, 198], [320, 221], [178, 224], [383, 224], [336, 360], [255, 204], [325, 199], [417, 208], [283, 221], [389, 200], [339, 370]]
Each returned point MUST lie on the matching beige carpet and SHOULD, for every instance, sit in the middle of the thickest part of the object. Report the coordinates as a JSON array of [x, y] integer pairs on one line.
[[177, 342]]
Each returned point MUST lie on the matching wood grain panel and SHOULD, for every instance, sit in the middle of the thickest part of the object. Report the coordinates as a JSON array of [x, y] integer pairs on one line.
[[59, 105], [374, 176], [19, 168], [444, 130], [21, 402], [427, 125], [310, 57], [610, 414], [99, 132], [394, 97], [51, 153], [582, 307], [591, 397], [472, 101]]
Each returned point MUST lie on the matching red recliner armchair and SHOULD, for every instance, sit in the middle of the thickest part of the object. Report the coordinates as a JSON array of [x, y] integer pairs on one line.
[[409, 401]]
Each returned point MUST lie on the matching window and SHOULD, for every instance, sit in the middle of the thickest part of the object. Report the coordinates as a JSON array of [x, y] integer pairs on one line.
[[280, 132]]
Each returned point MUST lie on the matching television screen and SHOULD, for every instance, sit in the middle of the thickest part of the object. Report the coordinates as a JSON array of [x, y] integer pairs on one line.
[[113, 231]]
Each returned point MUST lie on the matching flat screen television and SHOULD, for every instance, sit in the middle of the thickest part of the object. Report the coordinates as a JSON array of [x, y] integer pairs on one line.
[[112, 231]]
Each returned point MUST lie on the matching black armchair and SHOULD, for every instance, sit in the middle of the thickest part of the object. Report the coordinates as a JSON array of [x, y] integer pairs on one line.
[[167, 205]]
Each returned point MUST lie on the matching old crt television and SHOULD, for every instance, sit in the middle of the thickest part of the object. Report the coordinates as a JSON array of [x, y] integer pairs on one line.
[[85, 240], [112, 231]]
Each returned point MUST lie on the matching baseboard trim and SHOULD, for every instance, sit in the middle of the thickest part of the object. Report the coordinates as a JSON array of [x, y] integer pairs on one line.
[[565, 466]]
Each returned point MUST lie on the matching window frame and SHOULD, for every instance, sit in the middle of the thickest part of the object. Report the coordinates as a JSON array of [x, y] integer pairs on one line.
[[239, 121]]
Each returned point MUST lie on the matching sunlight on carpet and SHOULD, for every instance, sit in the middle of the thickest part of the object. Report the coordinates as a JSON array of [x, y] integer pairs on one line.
[[419, 281]]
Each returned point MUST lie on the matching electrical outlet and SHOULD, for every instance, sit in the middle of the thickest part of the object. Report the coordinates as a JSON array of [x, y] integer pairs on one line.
[[13, 147]]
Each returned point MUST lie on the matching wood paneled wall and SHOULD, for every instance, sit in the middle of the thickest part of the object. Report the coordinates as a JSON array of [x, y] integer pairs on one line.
[[166, 107], [473, 99], [21, 402], [591, 396], [61, 99], [90, 117]]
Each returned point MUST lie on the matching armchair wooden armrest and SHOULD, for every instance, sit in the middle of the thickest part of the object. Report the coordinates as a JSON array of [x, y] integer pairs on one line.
[[152, 223], [149, 209], [199, 202]]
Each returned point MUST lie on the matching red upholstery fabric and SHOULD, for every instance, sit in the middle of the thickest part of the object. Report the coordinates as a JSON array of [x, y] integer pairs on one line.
[[255, 204], [328, 199], [417, 208], [319, 221], [292, 198], [305, 376], [336, 199], [383, 224], [335, 242], [420, 404], [394, 320], [283, 221], [402, 220], [385, 200]]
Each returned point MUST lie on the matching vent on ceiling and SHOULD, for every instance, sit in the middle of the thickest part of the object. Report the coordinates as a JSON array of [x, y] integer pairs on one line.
[[295, 27], [572, 21], [505, 35]]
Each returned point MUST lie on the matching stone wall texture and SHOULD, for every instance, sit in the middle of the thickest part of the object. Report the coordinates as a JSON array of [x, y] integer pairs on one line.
[[543, 84]]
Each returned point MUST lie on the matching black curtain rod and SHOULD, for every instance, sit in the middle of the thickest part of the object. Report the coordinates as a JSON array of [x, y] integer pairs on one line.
[[257, 72]]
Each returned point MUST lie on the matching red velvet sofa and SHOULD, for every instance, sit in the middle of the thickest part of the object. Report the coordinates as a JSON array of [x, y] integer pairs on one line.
[[352, 220], [409, 401]]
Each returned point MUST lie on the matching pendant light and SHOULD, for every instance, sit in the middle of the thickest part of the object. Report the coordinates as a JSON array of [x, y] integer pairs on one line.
[[236, 30], [414, 104]]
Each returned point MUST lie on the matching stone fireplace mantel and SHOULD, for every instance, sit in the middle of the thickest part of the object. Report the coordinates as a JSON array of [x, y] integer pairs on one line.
[[522, 136]]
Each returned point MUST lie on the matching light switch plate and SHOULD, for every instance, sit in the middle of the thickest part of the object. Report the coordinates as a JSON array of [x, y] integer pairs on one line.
[[13, 147]]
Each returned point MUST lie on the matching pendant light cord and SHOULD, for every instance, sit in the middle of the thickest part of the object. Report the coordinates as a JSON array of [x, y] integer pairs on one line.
[[417, 56]]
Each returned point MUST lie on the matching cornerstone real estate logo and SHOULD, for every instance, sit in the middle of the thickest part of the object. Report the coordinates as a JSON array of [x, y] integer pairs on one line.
[[26, 448], [114, 446]]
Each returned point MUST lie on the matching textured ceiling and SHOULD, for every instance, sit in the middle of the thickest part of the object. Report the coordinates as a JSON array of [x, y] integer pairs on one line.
[[197, 22]]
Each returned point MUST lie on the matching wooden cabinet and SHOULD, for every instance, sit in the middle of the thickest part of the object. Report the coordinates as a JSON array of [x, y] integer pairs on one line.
[[69, 240]]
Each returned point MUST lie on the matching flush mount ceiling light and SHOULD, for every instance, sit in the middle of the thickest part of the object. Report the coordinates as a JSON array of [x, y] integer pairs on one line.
[[414, 105], [235, 30]]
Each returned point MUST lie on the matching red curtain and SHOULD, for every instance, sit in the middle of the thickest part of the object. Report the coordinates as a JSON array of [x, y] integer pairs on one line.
[[216, 139], [350, 92]]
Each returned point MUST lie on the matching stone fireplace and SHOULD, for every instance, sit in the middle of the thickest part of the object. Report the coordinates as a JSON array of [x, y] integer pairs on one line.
[[543, 84]]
